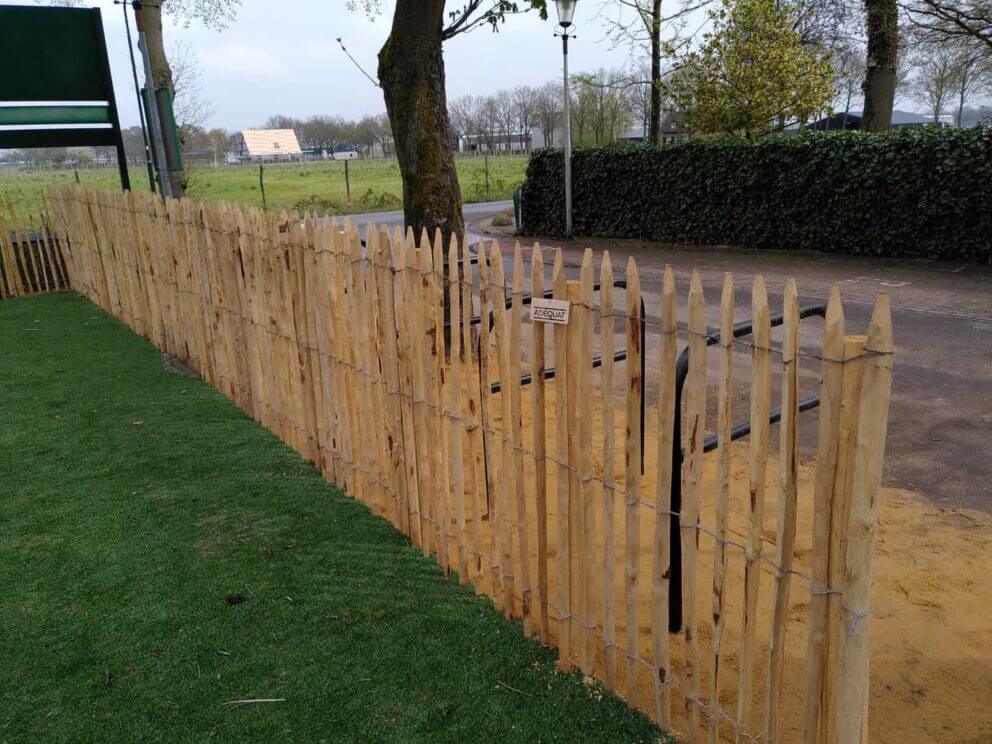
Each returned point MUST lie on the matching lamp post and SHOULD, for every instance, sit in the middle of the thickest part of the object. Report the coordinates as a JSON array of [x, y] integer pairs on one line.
[[566, 8]]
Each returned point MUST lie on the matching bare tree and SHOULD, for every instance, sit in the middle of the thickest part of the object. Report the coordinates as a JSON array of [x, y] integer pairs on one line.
[[933, 81], [489, 121], [506, 116], [640, 97], [189, 107], [849, 66], [583, 108], [606, 94], [369, 132], [968, 21], [524, 104], [638, 24], [464, 114], [971, 74], [280, 121], [322, 133], [548, 106]]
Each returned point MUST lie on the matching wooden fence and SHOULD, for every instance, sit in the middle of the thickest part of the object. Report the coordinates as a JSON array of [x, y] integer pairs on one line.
[[353, 356], [31, 261]]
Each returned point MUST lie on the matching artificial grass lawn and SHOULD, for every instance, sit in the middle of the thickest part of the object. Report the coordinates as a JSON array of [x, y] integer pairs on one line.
[[375, 184], [161, 553]]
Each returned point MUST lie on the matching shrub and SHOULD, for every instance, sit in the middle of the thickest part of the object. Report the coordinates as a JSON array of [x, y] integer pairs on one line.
[[912, 192]]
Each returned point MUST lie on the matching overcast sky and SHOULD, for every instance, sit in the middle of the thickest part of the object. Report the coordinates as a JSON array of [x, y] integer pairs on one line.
[[282, 58]]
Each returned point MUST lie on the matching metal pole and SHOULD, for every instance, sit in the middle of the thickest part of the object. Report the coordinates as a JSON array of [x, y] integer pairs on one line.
[[568, 138], [141, 104], [156, 124]]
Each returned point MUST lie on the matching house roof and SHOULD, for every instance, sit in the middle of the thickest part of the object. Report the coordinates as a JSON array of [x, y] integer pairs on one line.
[[902, 117], [271, 142]]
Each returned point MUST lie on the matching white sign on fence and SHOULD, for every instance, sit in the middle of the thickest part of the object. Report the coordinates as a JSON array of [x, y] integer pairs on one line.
[[549, 311]]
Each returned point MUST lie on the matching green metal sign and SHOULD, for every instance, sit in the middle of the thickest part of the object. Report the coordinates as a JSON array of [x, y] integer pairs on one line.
[[55, 83]]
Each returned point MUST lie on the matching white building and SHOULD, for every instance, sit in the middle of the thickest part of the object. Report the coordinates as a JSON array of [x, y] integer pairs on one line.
[[265, 145]]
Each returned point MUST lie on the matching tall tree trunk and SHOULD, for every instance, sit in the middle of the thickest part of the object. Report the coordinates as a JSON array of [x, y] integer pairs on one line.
[[151, 24], [654, 128], [411, 72], [880, 72]]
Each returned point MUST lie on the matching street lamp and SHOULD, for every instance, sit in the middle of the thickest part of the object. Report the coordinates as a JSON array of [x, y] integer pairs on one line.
[[566, 8]]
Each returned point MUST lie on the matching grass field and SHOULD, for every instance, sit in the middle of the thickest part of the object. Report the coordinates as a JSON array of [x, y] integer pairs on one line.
[[161, 555], [375, 184]]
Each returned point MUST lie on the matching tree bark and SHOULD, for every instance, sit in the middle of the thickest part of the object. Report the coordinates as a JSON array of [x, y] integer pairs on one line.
[[151, 24], [411, 72], [654, 128], [880, 72]]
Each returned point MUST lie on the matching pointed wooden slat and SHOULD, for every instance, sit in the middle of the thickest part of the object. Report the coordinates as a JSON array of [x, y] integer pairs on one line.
[[538, 401], [591, 584], [516, 441], [405, 279], [724, 419], [422, 349], [607, 330], [457, 417], [632, 499], [761, 391], [473, 421], [662, 540], [439, 373], [21, 258], [576, 533], [389, 348], [692, 472], [826, 467], [785, 538], [492, 448], [564, 623], [504, 496]]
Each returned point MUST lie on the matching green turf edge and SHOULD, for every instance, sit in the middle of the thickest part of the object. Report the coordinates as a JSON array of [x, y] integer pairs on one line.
[[139, 507]]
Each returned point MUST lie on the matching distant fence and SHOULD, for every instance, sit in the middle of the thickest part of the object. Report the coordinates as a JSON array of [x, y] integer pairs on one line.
[[31, 260], [341, 351]]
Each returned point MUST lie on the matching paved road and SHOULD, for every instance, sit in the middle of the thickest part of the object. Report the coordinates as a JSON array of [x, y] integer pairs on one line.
[[472, 213], [940, 430]]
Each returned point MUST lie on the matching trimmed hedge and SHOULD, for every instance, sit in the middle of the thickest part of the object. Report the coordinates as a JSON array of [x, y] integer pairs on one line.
[[913, 192]]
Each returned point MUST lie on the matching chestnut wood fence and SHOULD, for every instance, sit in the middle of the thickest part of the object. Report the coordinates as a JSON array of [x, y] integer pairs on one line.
[[31, 260], [379, 366]]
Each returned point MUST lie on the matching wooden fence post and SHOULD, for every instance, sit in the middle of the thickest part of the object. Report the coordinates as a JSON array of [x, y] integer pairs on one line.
[[850, 369], [851, 712]]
